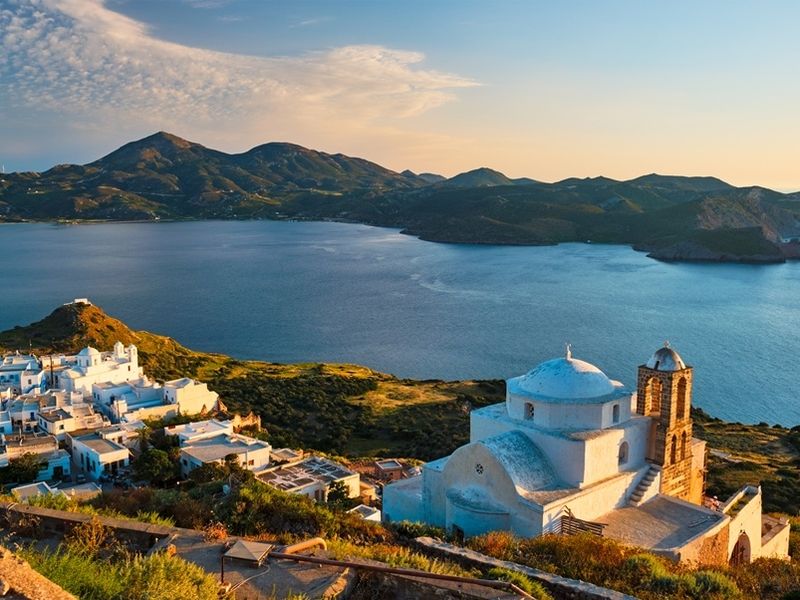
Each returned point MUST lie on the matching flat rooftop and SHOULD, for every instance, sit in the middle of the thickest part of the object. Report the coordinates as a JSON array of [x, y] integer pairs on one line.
[[217, 448], [98, 444], [661, 523], [306, 472]]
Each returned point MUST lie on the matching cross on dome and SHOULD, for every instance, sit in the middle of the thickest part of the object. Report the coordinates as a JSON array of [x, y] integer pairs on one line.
[[568, 353]]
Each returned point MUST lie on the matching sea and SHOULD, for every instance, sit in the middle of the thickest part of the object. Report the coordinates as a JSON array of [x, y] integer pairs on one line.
[[287, 292]]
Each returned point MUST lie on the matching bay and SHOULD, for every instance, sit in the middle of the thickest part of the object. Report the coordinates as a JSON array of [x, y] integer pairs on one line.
[[334, 292]]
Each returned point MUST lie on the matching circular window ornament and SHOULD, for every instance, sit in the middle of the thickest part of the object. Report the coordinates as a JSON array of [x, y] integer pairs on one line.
[[479, 469]]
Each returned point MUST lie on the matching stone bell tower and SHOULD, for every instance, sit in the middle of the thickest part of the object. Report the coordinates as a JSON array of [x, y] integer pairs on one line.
[[664, 392]]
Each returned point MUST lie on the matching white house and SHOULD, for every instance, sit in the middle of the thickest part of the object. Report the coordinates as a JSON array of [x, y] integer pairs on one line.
[[569, 445], [60, 421], [188, 433], [94, 455], [55, 462], [311, 477], [132, 400], [250, 453], [22, 373], [191, 397]]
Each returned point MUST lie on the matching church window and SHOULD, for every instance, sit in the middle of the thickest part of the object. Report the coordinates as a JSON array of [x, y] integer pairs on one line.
[[683, 445], [673, 450], [654, 392], [682, 398], [615, 413], [529, 410], [479, 469], [623, 453]]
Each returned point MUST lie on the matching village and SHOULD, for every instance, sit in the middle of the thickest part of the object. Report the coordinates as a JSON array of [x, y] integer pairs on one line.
[[569, 452], [79, 419]]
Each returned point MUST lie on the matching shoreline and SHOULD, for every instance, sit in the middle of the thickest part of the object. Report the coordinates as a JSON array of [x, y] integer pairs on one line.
[[790, 252]]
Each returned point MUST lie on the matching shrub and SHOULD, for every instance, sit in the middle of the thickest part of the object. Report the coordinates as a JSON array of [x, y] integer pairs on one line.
[[88, 537], [410, 530], [712, 583], [157, 577]]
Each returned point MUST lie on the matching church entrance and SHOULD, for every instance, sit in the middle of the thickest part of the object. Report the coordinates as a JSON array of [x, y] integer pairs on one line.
[[741, 551]]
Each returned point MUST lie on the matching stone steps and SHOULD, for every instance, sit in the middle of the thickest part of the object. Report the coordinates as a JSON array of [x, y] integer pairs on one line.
[[644, 485]]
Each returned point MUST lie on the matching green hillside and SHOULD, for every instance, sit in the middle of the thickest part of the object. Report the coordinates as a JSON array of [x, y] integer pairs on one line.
[[165, 177]]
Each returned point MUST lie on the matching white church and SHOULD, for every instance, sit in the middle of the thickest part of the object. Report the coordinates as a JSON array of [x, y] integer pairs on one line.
[[572, 450]]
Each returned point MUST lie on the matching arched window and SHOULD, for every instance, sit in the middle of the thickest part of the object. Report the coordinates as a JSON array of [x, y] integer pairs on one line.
[[615, 414], [683, 445], [655, 390], [529, 410], [681, 412], [623, 453], [673, 451]]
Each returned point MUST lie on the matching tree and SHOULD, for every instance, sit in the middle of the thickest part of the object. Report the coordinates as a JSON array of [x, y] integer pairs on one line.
[[155, 466], [338, 495], [22, 469]]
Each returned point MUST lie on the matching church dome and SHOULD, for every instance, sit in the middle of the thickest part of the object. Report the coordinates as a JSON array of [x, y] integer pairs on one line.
[[566, 378], [666, 359], [89, 351]]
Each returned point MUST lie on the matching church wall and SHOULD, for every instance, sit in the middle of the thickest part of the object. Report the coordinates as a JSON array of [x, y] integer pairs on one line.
[[747, 520], [433, 496], [697, 481], [402, 501], [489, 422], [602, 451], [594, 502], [708, 549], [566, 456]]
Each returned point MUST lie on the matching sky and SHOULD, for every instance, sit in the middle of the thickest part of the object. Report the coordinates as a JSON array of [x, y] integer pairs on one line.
[[532, 88]]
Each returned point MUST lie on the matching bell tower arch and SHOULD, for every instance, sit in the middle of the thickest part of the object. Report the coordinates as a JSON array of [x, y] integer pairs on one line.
[[664, 393]]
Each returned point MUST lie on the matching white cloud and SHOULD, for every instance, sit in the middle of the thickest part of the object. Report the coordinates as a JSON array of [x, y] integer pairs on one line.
[[93, 68]]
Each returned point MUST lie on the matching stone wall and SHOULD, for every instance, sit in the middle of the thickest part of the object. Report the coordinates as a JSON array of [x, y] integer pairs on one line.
[[560, 587]]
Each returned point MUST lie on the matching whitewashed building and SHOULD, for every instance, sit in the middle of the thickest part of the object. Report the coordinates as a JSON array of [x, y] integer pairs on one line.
[[78, 373], [22, 374], [312, 477], [249, 453], [94, 455], [190, 396], [571, 446], [188, 433]]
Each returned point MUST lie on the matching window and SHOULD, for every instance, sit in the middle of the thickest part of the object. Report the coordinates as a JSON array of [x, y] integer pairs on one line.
[[673, 450], [529, 410], [681, 412], [623, 453], [615, 414], [683, 445], [654, 391]]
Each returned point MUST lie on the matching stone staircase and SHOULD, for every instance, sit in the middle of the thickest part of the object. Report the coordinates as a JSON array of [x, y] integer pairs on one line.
[[644, 485]]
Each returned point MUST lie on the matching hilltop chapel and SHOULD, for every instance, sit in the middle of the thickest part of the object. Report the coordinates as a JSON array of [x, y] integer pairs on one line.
[[572, 450]]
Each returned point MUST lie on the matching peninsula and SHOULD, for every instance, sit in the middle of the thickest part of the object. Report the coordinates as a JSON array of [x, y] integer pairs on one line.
[[165, 177]]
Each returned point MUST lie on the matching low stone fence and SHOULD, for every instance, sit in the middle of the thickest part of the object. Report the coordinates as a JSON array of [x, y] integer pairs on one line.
[[561, 587], [59, 522]]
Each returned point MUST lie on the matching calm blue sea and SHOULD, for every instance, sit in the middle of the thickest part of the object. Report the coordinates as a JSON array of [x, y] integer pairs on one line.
[[286, 292]]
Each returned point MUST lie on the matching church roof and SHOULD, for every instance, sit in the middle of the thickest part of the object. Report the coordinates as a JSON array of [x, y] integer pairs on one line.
[[566, 378], [666, 359], [89, 351], [524, 462]]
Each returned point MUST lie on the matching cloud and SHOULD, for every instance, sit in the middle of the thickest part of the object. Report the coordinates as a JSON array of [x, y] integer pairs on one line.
[[80, 62], [310, 22]]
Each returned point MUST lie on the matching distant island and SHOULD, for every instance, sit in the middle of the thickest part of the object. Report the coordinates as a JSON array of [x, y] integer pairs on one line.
[[164, 177]]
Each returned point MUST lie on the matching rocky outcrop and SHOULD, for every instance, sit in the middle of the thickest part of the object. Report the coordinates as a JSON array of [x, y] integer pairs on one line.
[[18, 581], [689, 251]]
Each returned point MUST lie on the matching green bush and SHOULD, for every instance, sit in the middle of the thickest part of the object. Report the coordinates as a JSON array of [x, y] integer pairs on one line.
[[157, 577]]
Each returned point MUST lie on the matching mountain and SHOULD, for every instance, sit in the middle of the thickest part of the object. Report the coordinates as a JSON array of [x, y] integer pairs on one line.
[[483, 177], [166, 177]]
